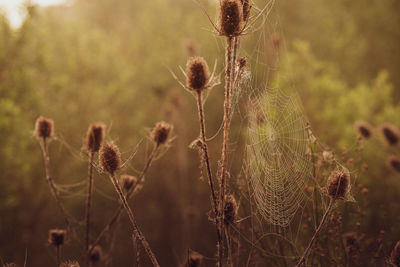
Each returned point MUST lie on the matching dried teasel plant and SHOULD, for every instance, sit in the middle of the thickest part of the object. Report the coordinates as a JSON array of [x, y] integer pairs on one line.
[[364, 129], [57, 238], [391, 134]]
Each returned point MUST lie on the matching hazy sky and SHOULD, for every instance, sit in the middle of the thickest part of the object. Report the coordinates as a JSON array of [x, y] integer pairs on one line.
[[13, 8]]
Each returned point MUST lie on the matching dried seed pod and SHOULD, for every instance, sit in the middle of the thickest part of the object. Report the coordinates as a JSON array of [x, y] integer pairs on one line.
[[391, 134], [57, 237], [364, 130], [110, 158], [44, 128], [128, 181], [338, 184], [96, 254], [230, 17], [94, 137], [394, 163], [197, 74], [395, 255], [230, 209], [161, 132]]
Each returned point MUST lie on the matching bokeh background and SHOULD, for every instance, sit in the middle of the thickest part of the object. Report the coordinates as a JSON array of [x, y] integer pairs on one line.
[[85, 61]]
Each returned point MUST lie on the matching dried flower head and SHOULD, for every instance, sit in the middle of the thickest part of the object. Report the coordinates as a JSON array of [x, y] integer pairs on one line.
[[197, 74], [194, 259], [391, 134], [95, 137], [395, 255], [161, 132], [128, 181], [57, 237], [230, 209], [110, 158], [394, 163], [69, 264], [364, 130], [246, 9], [230, 17], [338, 184], [96, 254], [44, 128]]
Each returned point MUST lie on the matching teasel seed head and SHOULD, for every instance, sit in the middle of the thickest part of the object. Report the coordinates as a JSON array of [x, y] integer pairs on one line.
[[394, 163], [391, 134], [230, 17], [246, 9], [395, 255], [128, 181], [364, 130], [197, 74], [44, 128], [230, 209], [95, 137], [96, 254], [110, 158], [57, 237], [161, 133], [338, 184]]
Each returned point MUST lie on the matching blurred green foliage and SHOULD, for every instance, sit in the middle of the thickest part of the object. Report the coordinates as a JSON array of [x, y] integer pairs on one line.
[[108, 61]]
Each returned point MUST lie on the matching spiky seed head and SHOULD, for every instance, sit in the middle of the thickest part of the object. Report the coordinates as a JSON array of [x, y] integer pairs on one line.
[[44, 128], [194, 259], [128, 181], [57, 237], [394, 163], [338, 184], [391, 134], [246, 9], [96, 254], [110, 158], [197, 74], [70, 264], [230, 17], [395, 255], [230, 209], [95, 137], [161, 132], [364, 130]]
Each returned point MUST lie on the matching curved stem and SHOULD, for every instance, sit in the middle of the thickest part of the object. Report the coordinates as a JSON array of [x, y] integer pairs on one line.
[[136, 231], [88, 205]]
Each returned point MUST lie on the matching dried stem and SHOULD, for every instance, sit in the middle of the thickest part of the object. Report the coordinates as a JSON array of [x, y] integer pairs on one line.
[[136, 231], [321, 224], [131, 192], [207, 160], [88, 204]]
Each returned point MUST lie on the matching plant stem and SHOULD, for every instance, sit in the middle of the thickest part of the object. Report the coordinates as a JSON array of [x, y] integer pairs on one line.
[[88, 204], [207, 160], [321, 224], [136, 231], [58, 255]]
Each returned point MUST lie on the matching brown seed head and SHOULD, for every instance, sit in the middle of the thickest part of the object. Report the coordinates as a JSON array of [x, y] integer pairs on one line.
[[161, 132], [246, 9], [338, 184], [96, 254], [394, 163], [395, 255], [128, 181], [57, 237], [230, 17], [230, 209], [110, 158], [197, 74], [391, 134], [44, 127], [364, 130], [70, 264], [95, 137]]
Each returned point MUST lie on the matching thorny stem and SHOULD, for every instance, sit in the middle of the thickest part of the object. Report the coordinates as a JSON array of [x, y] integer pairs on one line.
[[88, 205], [53, 189], [136, 231], [132, 191], [207, 160], [321, 224], [227, 104]]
